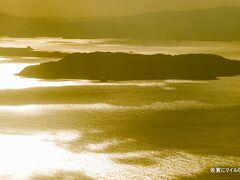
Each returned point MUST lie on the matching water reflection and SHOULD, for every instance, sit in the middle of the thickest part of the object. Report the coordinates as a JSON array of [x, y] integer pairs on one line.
[[157, 106], [9, 79], [46, 153], [228, 49], [4, 59], [23, 156]]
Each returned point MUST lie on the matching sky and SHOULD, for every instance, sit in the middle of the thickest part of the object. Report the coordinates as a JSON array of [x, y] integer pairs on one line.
[[93, 8]]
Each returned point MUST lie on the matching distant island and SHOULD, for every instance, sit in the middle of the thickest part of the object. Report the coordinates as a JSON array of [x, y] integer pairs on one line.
[[122, 66], [29, 52]]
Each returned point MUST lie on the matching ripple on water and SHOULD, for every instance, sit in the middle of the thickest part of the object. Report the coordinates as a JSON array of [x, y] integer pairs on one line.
[[4, 59], [24, 156], [159, 106]]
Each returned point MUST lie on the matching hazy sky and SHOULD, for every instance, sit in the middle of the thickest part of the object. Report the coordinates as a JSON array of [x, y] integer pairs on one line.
[[86, 8]]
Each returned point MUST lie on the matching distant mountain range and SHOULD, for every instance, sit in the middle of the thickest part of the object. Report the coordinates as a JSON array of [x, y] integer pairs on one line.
[[220, 23]]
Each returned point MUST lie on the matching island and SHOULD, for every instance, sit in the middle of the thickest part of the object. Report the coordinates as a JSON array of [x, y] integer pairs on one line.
[[30, 52], [123, 66]]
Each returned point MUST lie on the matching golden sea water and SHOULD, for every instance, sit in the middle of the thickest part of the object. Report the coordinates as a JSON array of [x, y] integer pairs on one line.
[[117, 130]]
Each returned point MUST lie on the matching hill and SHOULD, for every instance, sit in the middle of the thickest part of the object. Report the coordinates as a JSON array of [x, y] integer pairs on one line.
[[122, 66], [204, 24]]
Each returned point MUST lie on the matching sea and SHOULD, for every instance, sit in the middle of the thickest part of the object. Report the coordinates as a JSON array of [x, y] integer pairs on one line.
[[82, 129]]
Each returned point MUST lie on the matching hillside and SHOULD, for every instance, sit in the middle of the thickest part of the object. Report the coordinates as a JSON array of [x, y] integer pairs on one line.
[[206, 24]]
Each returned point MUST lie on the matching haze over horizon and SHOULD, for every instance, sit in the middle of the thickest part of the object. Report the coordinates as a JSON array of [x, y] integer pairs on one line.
[[93, 8]]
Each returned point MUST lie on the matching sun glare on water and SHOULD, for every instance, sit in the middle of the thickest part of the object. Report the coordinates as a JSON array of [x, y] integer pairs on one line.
[[25, 156], [10, 80], [4, 58]]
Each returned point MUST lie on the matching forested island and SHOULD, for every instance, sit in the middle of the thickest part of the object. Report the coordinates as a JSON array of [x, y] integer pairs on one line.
[[123, 66]]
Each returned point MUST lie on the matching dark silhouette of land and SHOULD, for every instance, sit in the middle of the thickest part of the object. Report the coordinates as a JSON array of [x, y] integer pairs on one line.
[[123, 66], [207, 24], [29, 52]]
